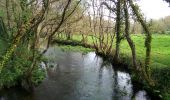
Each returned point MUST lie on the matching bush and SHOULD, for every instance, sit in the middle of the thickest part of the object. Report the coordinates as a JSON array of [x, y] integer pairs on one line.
[[15, 71]]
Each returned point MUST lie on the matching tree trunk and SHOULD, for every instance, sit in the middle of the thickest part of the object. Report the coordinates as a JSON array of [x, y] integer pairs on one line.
[[8, 15], [118, 38], [148, 40], [127, 35]]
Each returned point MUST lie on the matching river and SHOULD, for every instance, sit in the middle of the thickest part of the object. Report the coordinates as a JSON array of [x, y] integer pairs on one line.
[[78, 76]]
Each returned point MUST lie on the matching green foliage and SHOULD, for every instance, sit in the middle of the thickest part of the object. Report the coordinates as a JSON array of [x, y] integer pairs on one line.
[[15, 71], [37, 76], [23, 4], [166, 96], [161, 76]]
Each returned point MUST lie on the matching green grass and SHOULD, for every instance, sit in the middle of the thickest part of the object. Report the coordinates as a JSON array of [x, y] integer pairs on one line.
[[160, 48], [75, 48]]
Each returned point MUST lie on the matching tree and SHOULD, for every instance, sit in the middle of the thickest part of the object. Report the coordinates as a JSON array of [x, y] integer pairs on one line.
[[120, 16], [127, 35], [118, 29], [24, 20]]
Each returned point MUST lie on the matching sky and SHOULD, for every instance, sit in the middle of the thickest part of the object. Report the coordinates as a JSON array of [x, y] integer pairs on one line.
[[154, 9]]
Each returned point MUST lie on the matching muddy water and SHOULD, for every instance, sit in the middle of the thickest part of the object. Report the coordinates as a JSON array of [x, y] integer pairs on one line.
[[78, 76]]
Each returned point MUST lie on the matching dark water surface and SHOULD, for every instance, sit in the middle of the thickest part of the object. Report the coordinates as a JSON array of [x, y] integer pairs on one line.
[[78, 76]]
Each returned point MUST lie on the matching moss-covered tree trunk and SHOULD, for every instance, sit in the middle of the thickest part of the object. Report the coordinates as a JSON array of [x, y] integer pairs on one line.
[[127, 35], [148, 39], [118, 29]]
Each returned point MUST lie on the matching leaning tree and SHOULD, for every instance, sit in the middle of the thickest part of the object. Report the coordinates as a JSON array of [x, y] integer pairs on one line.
[[125, 9]]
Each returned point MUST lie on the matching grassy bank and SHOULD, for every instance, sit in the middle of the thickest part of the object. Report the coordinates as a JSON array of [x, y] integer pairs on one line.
[[160, 48], [160, 61], [75, 49]]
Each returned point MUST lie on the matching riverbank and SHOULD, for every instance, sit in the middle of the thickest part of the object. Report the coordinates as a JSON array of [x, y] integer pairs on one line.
[[160, 72]]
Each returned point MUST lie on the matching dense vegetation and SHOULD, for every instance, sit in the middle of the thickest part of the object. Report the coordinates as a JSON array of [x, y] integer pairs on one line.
[[28, 27]]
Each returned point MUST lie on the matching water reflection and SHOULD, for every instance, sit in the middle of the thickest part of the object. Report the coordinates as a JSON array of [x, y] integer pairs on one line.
[[77, 76]]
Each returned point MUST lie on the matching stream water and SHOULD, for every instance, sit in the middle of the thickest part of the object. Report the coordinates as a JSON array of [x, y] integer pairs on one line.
[[78, 76]]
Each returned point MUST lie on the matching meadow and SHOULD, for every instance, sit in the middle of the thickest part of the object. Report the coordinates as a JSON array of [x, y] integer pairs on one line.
[[160, 54]]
